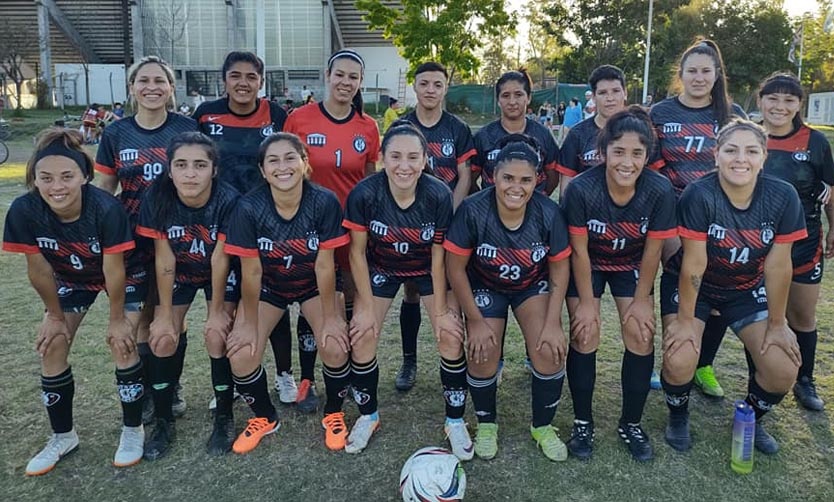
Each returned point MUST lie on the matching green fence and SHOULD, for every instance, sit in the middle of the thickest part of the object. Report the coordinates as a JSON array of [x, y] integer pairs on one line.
[[481, 98]]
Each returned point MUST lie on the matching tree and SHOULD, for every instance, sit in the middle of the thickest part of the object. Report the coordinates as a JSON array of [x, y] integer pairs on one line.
[[818, 53], [495, 60], [166, 24], [447, 32], [544, 48], [13, 42]]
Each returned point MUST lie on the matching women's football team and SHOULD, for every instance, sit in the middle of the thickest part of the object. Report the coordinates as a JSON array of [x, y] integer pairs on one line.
[[262, 211]]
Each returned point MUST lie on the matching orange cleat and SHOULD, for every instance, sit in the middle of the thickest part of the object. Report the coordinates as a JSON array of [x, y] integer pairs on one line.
[[335, 431], [256, 429]]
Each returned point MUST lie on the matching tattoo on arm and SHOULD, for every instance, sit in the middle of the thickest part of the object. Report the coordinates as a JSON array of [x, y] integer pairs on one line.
[[168, 271], [695, 281]]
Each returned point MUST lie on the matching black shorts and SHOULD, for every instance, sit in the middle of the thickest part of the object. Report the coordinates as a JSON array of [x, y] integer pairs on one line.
[[738, 309], [808, 258], [79, 301], [494, 303], [386, 286], [283, 299], [621, 284]]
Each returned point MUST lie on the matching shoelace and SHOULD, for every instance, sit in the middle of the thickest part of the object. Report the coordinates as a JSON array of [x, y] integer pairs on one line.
[[255, 425], [582, 431], [635, 432], [456, 433], [53, 448], [335, 422]]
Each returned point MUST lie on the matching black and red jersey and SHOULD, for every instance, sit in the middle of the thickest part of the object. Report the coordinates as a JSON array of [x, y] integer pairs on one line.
[[803, 159], [238, 138], [579, 150], [74, 250], [399, 239], [137, 156], [617, 234], [503, 259], [287, 248], [486, 151], [738, 240], [685, 141], [450, 144], [192, 233], [338, 149]]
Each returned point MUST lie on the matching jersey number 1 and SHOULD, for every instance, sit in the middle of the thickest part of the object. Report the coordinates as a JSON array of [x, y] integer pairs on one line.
[[338, 158]]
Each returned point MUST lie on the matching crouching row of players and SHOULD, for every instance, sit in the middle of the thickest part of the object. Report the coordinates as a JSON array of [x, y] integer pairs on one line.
[[506, 246]]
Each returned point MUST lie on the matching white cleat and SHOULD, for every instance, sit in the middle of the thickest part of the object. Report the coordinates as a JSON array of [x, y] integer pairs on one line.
[[58, 446]]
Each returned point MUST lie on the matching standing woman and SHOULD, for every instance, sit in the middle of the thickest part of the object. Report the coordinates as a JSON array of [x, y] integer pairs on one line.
[[285, 234], [802, 157], [737, 228], [131, 156], [343, 145], [74, 236], [186, 212], [619, 216], [507, 247], [686, 127], [514, 91], [397, 219]]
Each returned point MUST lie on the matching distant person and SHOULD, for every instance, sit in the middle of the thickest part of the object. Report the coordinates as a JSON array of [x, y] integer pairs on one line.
[[560, 113], [573, 114], [648, 102], [391, 114], [311, 98], [196, 99], [305, 94], [118, 111], [590, 107]]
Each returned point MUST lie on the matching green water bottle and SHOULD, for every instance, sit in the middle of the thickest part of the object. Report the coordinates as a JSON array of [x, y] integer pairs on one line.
[[744, 430]]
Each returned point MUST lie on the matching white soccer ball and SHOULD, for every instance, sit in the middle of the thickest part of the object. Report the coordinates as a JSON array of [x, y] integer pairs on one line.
[[432, 474]]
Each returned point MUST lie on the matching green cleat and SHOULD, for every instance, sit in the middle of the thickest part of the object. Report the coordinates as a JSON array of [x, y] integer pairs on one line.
[[486, 441], [705, 380], [552, 447]]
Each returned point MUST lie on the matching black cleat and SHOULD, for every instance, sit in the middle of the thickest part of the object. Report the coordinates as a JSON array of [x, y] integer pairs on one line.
[[407, 376], [806, 393], [581, 442], [222, 436], [764, 442], [148, 410], [677, 432], [159, 443], [637, 441], [178, 406]]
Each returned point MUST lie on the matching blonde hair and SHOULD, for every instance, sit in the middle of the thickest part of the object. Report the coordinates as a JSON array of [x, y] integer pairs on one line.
[[166, 69]]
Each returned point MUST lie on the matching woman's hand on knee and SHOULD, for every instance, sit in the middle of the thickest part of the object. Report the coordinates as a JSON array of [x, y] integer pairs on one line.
[[121, 337], [52, 327], [782, 337]]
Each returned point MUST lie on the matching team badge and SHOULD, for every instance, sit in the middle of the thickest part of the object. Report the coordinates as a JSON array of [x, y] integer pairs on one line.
[[307, 342], [213, 233], [316, 139], [132, 392], [128, 156], [313, 241], [644, 226], [483, 299], [250, 400], [767, 234], [379, 279], [427, 234], [359, 144], [50, 398], [676, 298], [538, 253], [447, 149], [493, 154], [94, 245], [801, 156], [360, 397], [267, 131], [455, 398]]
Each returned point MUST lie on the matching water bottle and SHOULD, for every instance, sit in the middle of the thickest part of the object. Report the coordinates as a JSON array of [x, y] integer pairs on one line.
[[744, 430]]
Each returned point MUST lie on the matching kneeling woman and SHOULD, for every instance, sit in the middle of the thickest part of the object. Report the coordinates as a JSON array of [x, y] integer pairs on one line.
[[74, 236], [508, 247], [186, 212], [737, 228], [284, 233], [397, 219], [619, 215]]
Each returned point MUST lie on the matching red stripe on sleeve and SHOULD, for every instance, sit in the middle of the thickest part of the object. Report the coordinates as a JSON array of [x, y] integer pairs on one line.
[[662, 234], [336, 242], [475, 168], [565, 170], [552, 166], [119, 248], [561, 256], [466, 156], [15, 247], [791, 237], [151, 233], [239, 251], [221, 237], [455, 249], [657, 164], [105, 169], [577, 230], [354, 226], [691, 234]]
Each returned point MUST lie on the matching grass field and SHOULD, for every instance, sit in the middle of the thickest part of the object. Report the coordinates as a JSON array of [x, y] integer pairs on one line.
[[294, 464]]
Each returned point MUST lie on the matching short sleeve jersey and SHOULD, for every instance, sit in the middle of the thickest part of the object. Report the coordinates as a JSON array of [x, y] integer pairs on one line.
[[502, 259], [74, 250], [685, 141], [738, 241], [399, 239], [617, 234], [137, 156], [192, 233], [238, 138], [486, 151], [803, 159], [579, 150], [287, 248], [450, 144], [338, 149]]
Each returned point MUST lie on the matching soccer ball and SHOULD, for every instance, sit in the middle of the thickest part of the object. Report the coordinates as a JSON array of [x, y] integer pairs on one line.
[[432, 474]]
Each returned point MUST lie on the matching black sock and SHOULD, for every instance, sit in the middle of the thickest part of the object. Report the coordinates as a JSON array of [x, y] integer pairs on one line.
[[582, 376], [714, 331], [635, 375], [254, 390], [751, 366], [546, 392], [365, 381], [453, 379], [677, 396], [409, 327], [57, 392], [483, 392], [144, 350], [163, 372], [281, 341], [131, 386], [761, 400], [348, 311], [182, 344], [224, 386], [808, 349], [307, 349], [336, 382]]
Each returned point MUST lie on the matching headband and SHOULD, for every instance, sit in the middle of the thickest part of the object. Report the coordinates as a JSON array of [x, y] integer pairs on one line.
[[59, 149], [346, 53], [518, 150]]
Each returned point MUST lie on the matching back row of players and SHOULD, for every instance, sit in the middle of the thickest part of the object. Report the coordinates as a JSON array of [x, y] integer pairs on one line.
[[286, 241]]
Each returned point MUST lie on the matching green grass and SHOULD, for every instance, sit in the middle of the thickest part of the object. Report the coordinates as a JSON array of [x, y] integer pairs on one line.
[[294, 464]]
